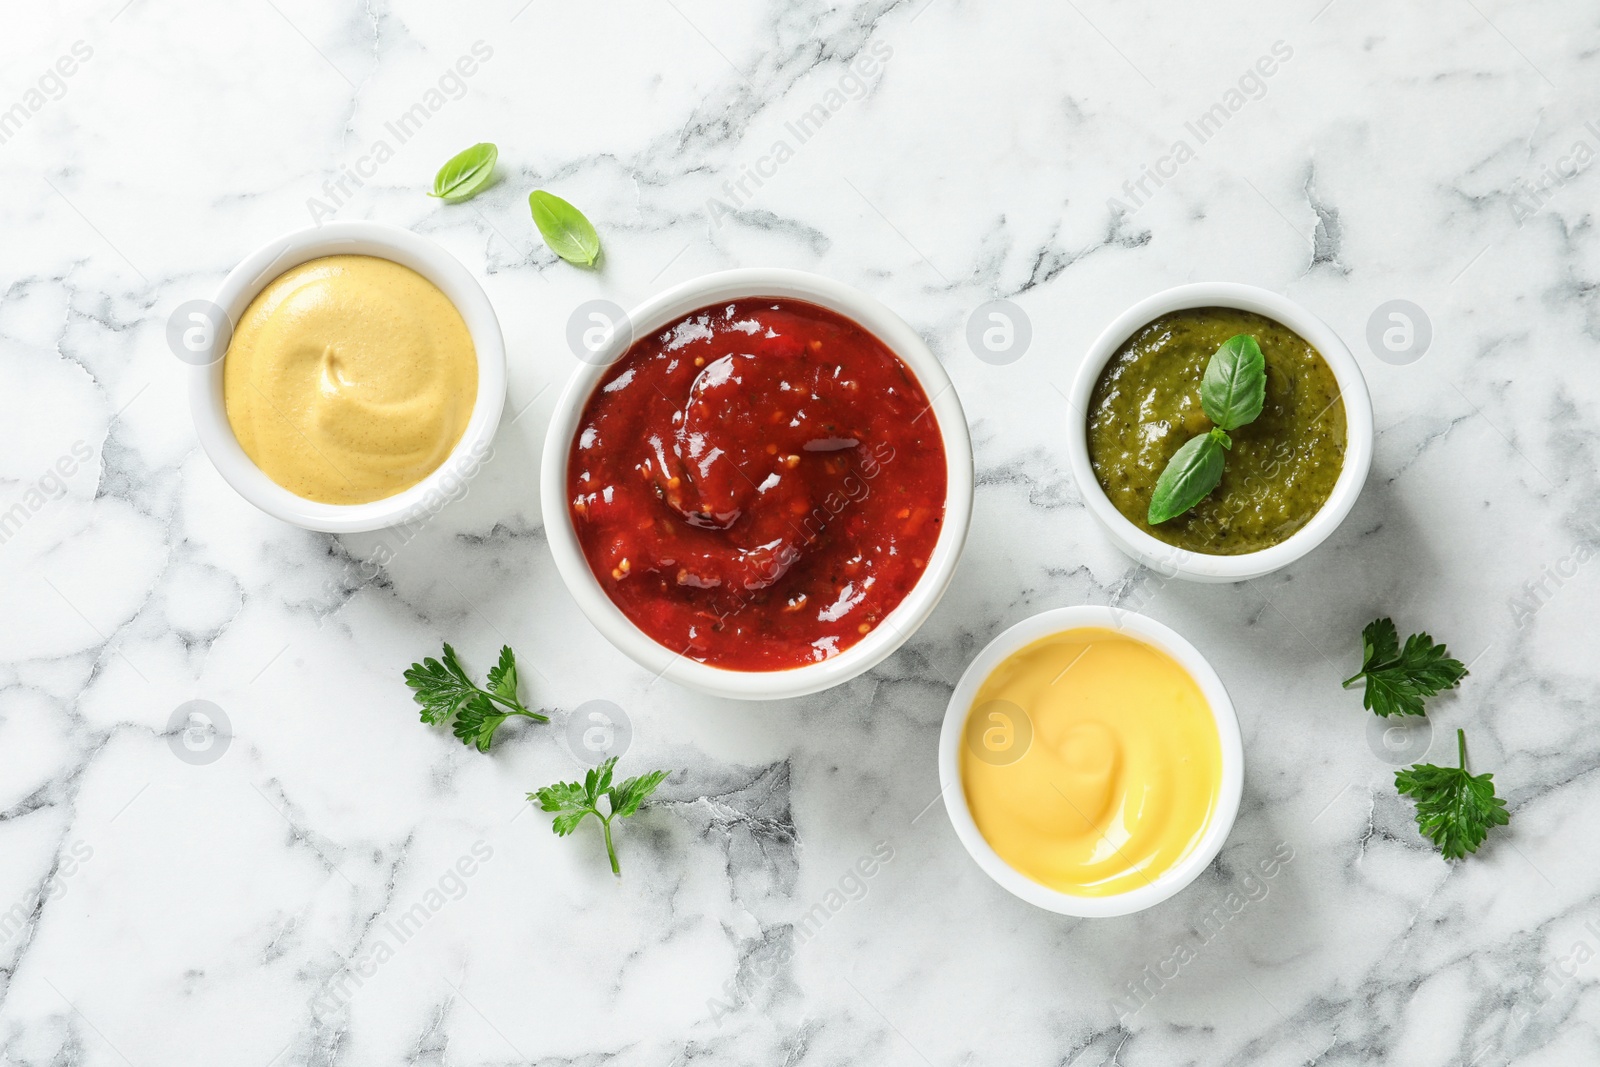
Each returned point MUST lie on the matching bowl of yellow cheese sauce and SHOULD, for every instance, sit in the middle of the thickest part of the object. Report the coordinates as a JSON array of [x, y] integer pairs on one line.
[[357, 382], [1091, 761]]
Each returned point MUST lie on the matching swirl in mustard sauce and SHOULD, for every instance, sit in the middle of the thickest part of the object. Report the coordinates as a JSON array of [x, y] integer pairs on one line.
[[349, 379]]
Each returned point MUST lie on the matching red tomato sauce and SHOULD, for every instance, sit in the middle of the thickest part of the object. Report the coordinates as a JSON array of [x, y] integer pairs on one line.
[[758, 484]]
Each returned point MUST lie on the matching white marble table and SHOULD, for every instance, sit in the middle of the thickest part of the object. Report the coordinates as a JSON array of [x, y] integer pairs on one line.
[[167, 911]]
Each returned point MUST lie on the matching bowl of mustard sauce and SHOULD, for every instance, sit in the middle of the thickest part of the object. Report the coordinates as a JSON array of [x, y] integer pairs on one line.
[[357, 381]]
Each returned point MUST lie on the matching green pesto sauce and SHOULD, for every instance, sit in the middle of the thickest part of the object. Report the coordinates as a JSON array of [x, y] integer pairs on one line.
[[1281, 467]]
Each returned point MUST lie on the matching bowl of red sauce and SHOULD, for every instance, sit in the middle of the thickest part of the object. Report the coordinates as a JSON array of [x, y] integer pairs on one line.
[[759, 486]]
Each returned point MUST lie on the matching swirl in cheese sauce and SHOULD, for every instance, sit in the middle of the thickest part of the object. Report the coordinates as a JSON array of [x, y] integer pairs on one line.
[[1120, 762]]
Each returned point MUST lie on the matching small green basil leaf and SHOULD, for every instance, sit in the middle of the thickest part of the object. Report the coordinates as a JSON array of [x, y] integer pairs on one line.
[[1235, 384], [466, 174], [565, 230], [1194, 470]]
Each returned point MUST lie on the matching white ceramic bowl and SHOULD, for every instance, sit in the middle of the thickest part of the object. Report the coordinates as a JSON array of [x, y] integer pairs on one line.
[[366, 239], [1195, 566], [899, 624], [1153, 633]]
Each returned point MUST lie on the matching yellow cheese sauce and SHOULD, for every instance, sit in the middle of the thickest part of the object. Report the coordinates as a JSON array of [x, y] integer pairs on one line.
[[1091, 762], [349, 379]]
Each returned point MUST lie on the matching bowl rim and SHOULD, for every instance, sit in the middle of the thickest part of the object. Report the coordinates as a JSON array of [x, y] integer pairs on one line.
[[897, 627], [1140, 627], [385, 241], [1197, 566]]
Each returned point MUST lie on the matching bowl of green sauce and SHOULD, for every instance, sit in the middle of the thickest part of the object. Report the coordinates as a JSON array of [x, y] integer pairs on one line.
[[1289, 474]]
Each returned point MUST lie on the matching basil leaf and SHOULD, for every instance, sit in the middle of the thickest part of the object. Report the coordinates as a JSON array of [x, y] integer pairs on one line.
[[565, 230], [1192, 472], [1235, 384], [466, 174]]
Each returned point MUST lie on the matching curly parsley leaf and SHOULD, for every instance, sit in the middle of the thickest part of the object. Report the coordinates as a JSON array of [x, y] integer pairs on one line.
[[1454, 809], [627, 797], [441, 688], [476, 723], [1400, 679], [572, 802], [503, 675], [445, 692]]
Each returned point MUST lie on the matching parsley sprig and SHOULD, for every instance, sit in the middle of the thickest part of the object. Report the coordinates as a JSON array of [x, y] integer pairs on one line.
[[1400, 679], [1454, 809], [575, 801], [445, 691]]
